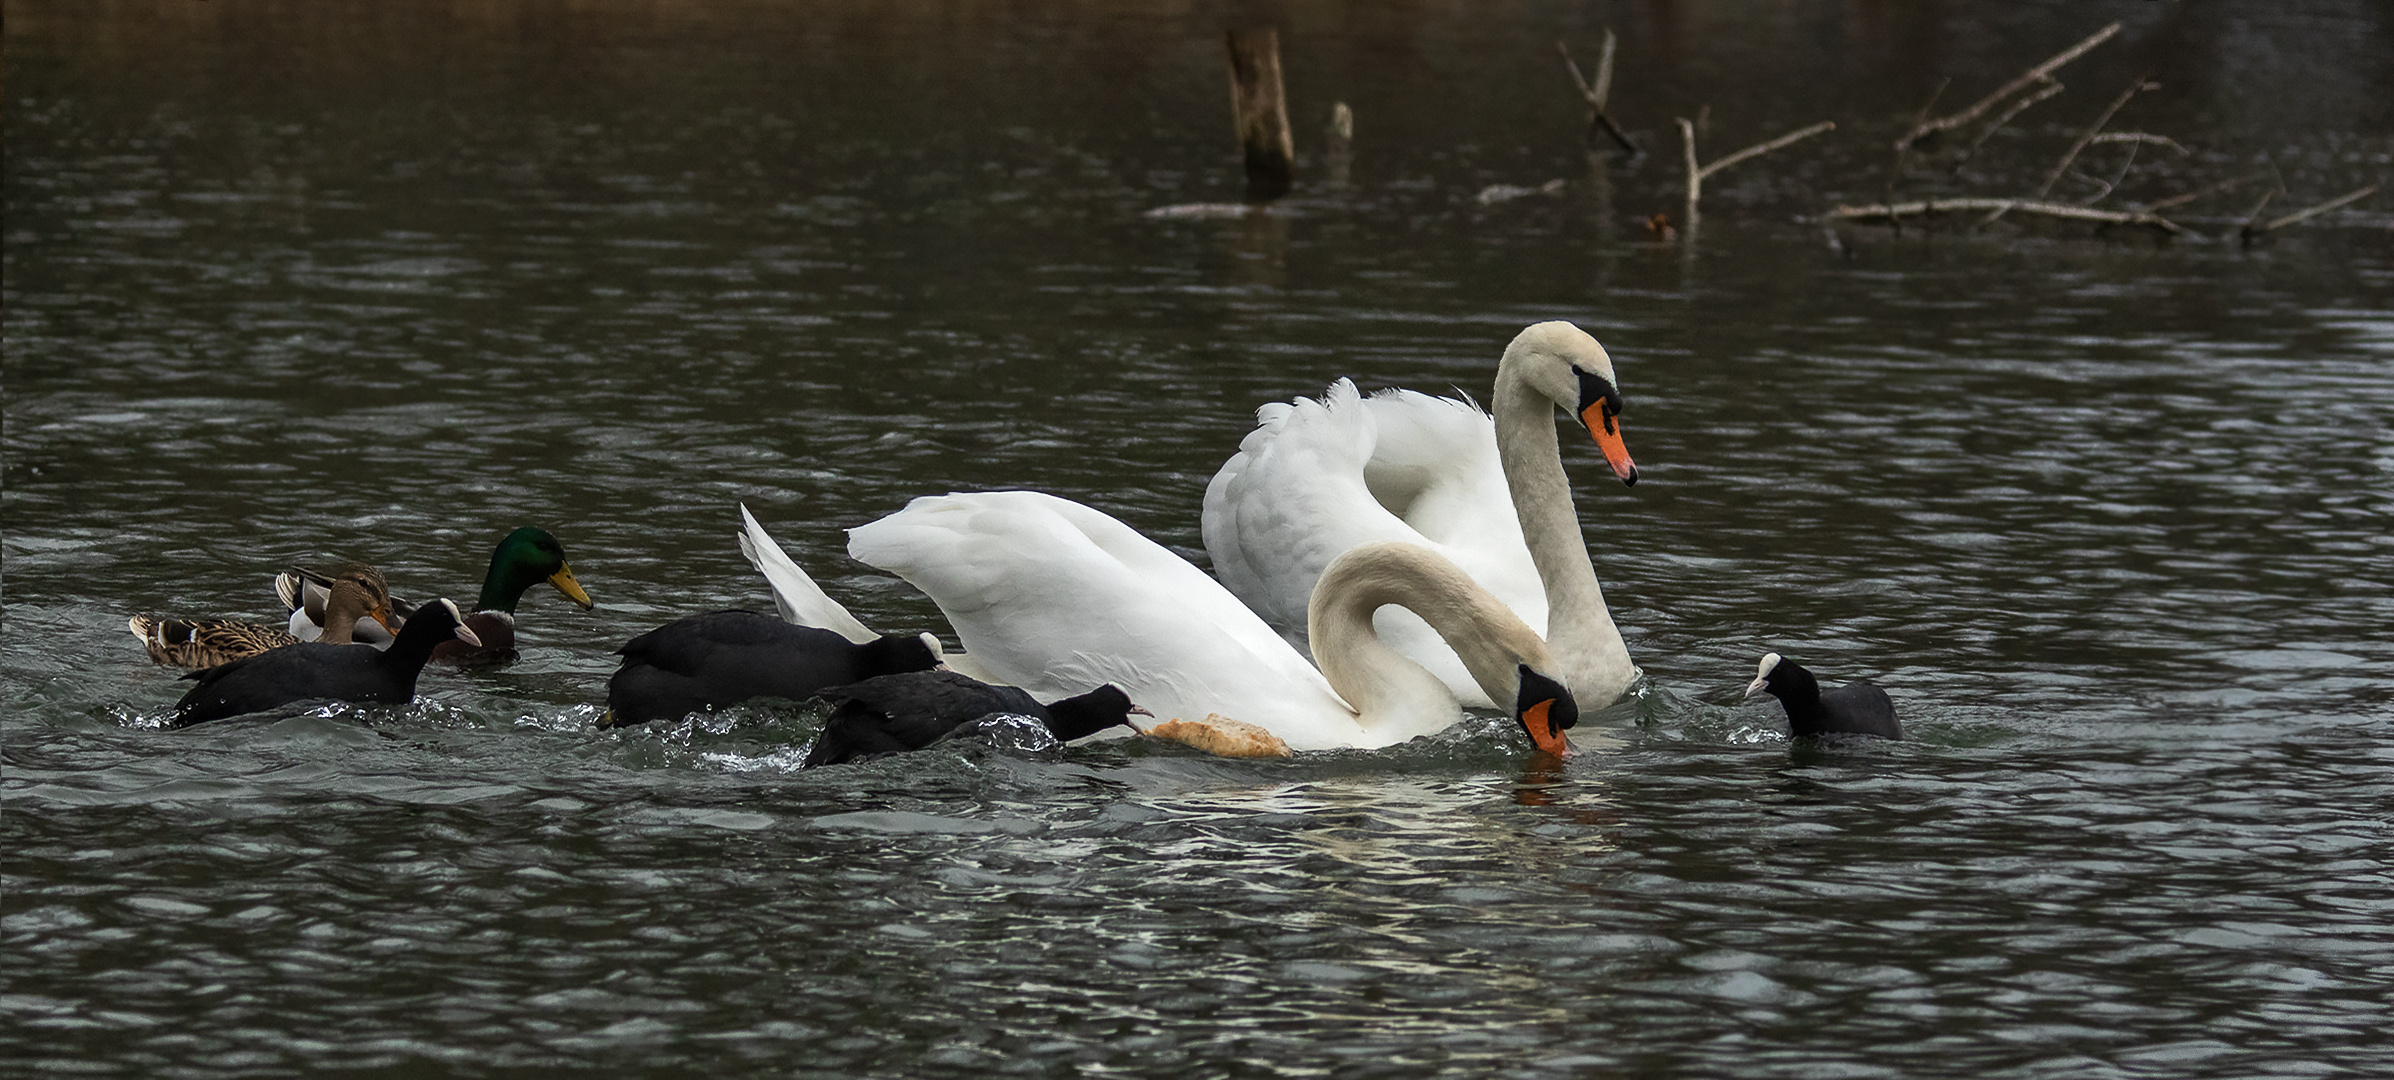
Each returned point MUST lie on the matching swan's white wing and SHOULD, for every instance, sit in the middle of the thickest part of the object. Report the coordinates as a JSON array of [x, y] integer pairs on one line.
[[1316, 479], [1057, 598], [801, 600], [1292, 499]]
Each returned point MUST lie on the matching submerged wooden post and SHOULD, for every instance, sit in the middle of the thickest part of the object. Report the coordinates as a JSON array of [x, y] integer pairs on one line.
[[1339, 151], [1261, 110]]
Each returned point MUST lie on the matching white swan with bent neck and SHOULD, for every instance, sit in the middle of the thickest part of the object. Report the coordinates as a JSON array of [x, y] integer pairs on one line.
[[1486, 490], [1047, 593]]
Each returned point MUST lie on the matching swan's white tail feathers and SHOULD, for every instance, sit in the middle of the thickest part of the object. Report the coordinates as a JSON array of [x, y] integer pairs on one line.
[[797, 596]]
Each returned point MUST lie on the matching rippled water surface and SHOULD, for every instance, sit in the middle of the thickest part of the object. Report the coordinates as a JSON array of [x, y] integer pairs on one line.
[[2108, 517]]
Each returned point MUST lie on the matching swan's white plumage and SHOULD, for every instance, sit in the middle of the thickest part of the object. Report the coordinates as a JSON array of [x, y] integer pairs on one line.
[[1055, 597], [800, 600], [1485, 489], [1320, 477], [803, 602]]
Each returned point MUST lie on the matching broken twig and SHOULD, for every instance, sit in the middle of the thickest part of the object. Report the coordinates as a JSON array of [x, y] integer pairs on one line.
[[2136, 86], [1926, 128], [1598, 94], [2052, 87], [2190, 196]]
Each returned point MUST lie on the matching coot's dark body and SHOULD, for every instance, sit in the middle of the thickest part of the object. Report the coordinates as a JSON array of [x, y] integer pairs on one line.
[[315, 671], [723, 658], [897, 713], [1854, 709]]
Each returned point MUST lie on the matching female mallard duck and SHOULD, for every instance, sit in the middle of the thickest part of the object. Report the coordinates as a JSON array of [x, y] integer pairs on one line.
[[204, 643], [304, 592], [527, 557]]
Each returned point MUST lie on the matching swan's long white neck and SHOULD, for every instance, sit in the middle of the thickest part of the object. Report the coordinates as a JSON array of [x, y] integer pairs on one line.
[[1394, 698], [1592, 659]]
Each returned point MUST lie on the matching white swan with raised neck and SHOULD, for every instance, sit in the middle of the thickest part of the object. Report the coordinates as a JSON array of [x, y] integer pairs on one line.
[[1486, 490]]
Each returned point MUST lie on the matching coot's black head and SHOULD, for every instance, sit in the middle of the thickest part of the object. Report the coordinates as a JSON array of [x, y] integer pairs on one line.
[[896, 654], [437, 621], [1783, 679], [1090, 713], [1545, 709]]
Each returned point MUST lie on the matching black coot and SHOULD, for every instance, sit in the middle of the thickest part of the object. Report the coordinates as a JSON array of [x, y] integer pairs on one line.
[[313, 670], [726, 657], [1855, 709], [896, 713]]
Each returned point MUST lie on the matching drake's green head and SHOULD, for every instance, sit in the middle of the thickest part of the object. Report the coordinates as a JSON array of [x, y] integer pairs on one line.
[[527, 557]]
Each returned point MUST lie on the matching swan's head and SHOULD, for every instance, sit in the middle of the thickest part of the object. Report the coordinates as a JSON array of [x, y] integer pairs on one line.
[[1545, 708], [1571, 369]]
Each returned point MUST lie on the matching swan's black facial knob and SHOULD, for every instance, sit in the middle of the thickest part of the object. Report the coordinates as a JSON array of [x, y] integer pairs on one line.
[[1600, 410], [1545, 709]]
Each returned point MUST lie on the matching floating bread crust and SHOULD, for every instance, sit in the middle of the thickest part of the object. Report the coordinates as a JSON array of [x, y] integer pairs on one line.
[[1220, 735]]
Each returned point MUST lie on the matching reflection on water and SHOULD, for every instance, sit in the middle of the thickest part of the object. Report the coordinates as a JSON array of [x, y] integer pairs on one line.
[[2106, 517]]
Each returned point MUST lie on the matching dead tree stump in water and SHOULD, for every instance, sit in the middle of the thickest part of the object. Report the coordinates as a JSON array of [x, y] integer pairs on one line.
[[1261, 111]]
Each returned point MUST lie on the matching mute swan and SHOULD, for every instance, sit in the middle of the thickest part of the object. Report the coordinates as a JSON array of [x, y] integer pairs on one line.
[[1853, 709], [1052, 596], [803, 602], [1486, 490]]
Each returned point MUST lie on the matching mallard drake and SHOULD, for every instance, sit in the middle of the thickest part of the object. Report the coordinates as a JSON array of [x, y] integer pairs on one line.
[[723, 658], [896, 713], [304, 592], [526, 557], [203, 643], [315, 671]]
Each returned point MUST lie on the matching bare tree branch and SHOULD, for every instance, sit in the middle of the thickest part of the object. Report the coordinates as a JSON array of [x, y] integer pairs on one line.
[[1926, 128], [2309, 212], [1892, 211], [2140, 137], [1598, 93], [1696, 175]]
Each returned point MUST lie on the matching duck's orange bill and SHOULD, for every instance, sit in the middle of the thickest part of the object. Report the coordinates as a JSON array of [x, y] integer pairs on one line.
[[1607, 430], [382, 614], [1539, 721], [563, 579]]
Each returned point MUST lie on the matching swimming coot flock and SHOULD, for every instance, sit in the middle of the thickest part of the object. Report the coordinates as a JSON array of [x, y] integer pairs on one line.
[[1385, 561]]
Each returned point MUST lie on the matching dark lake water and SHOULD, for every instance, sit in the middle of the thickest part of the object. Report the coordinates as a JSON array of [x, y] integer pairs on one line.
[[2108, 516]]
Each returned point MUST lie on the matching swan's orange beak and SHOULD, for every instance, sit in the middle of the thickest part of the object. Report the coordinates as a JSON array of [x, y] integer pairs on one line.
[[1604, 422], [1543, 730]]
